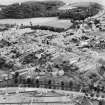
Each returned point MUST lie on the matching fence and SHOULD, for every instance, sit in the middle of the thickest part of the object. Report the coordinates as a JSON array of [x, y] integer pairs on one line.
[[39, 84], [50, 84]]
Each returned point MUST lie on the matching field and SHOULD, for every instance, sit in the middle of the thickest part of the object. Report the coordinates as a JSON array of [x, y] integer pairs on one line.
[[50, 21]]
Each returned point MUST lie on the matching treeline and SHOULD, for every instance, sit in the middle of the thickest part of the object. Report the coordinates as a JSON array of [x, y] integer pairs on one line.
[[48, 9], [31, 9], [80, 13], [50, 28]]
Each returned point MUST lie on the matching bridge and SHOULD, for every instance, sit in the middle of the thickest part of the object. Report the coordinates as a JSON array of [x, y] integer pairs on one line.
[[44, 97], [41, 96]]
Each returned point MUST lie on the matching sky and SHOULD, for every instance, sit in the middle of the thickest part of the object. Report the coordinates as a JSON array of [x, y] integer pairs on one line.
[[6, 2]]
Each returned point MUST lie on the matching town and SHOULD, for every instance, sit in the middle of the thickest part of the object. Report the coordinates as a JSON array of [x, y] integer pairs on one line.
[[45, 61]]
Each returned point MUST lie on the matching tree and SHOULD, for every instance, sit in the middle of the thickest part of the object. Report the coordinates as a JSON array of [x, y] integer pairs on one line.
[[101, 70], [2, 61]]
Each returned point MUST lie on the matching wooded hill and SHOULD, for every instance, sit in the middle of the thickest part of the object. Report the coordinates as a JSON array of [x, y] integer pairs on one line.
[[81, 12], [48, 9], [32, 9]]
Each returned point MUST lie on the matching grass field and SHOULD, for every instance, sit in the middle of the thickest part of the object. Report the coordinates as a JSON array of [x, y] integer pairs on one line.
[[50, 21]]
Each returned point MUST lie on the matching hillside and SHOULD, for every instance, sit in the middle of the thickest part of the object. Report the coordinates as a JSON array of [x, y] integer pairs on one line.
[[31, 9], [80, 11], [70, 55]]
